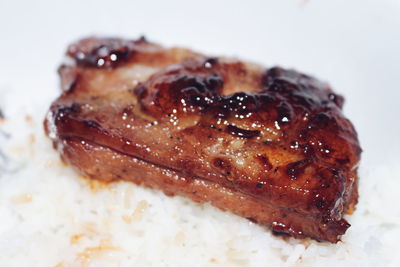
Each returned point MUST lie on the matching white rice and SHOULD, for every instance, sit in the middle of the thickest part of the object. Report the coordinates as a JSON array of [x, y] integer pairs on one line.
[[50, 216]]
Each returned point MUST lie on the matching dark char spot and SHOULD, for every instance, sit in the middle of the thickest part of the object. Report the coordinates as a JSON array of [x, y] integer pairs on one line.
[[222, 164], [104, 53], [91, 124], [293, 170], [140, 91], [320, 120], [253, 220], [264, 161], [239, 132]]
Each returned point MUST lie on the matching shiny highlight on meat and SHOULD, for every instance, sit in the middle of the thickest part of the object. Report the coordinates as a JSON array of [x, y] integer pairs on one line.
[[268, 144]]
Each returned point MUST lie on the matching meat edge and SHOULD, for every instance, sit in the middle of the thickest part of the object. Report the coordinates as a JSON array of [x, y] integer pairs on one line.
[[90, 158]]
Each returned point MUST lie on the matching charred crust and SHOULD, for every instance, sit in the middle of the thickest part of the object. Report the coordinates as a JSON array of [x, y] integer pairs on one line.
[[179, 89], [299, 89], [106, 53], [295, 169], [320, 120], [239, 132], [61, 112], [190, 88]]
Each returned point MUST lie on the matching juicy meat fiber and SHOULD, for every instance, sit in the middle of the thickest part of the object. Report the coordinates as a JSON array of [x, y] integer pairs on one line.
[[271, 145]]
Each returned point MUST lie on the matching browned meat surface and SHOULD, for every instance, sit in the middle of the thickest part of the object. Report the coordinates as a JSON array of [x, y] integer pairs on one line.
[[271, 144]]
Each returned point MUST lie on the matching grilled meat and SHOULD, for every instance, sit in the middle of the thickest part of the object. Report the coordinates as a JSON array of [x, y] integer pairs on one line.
[[270, 144]]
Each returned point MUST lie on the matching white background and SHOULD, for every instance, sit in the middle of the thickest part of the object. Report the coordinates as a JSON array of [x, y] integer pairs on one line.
[[352, 44]]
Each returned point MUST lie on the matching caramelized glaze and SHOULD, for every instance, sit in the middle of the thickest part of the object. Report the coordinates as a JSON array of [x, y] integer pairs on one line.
[[274, 136]]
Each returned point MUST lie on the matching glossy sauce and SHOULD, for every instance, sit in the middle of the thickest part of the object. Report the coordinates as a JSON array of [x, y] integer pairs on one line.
[[283, 140]]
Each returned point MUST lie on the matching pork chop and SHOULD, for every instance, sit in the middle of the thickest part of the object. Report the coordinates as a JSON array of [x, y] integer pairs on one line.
[[269, 144]]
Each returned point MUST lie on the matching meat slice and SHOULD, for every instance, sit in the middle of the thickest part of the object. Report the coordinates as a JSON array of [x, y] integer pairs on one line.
[[270, 144]]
